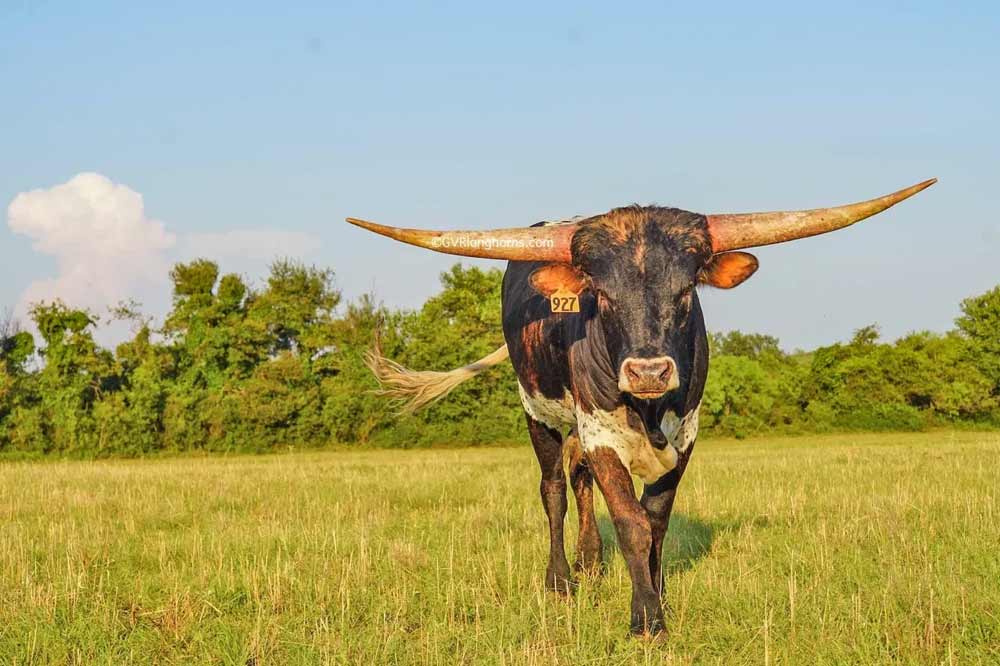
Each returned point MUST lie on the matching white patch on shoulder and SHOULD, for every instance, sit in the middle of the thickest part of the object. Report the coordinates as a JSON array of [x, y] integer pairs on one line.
[[611, 430], [681, 433], [553, 413]]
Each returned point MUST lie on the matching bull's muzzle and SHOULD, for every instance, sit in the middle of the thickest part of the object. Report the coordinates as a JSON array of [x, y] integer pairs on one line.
[[648, 378]]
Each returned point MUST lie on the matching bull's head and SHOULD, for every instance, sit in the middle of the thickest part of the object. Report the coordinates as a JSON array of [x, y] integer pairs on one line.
[[641, 265]]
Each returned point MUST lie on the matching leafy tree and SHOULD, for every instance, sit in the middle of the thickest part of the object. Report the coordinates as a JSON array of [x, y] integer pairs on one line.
[[936, 373], [980, 323], [17, 347], [351, 411], [75, 375], [738, 395], [866, 336], [297, 307], [749, 345]]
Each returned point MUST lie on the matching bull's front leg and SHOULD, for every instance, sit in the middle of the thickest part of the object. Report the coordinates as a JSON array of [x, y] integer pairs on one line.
[[658, 497], [635, 536], [658, 501]]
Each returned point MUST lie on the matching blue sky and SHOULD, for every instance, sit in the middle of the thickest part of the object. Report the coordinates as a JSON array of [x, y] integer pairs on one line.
[[252, 129]]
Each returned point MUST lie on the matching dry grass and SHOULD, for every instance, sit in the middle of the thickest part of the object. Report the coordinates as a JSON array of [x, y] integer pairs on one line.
[[840, 549]]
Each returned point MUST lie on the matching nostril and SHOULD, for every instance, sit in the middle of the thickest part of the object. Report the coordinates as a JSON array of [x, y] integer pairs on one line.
[[647, 376]]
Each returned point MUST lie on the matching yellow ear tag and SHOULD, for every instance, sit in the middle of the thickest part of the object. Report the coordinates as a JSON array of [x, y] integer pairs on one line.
[[564, 300]]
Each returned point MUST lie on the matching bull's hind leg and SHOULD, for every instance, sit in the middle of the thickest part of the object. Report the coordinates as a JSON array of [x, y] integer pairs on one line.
[[588, 544], [548, 448]]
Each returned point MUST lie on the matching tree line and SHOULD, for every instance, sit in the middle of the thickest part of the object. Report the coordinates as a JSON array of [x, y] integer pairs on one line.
[[236, 368]]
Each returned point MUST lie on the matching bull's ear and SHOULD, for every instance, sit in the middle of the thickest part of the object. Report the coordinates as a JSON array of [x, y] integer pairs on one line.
[[553, 277], [728, 269]]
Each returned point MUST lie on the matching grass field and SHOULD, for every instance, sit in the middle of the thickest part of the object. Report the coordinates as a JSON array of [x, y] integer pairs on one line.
[[820, 550]]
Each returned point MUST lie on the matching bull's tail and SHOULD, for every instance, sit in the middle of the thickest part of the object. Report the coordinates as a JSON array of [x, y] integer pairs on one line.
[[416, 388]]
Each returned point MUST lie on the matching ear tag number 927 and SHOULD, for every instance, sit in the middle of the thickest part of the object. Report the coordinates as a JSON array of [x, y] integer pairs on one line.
[[563, 300]]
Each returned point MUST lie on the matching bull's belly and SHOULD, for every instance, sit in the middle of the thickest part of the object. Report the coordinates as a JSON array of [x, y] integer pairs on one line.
[[611, 430]]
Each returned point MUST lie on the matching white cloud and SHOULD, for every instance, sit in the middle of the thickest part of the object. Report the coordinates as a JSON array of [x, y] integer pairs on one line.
[[106, 248]]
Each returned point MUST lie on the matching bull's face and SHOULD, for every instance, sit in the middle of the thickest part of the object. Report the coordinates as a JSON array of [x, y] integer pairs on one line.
[[641, 267]]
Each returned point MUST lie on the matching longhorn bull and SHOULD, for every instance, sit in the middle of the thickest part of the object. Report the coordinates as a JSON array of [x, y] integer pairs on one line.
[[617, 378]]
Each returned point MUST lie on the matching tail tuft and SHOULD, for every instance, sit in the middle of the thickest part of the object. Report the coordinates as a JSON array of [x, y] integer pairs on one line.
[[414, 389]]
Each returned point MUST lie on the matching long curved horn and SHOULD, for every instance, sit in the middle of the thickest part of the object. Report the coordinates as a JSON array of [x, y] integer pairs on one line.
[[740, 230], [545, 243]]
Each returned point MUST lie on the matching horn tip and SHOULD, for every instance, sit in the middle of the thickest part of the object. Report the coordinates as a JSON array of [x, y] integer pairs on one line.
[[364, 224], [919, 187]]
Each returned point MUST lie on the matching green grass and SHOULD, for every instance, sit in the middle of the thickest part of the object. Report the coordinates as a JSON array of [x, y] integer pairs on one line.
[[820, 550]]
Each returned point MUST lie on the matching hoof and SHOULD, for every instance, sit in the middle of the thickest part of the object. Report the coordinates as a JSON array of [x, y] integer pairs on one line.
[[647, 621], [560, 582], [653, 630]]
